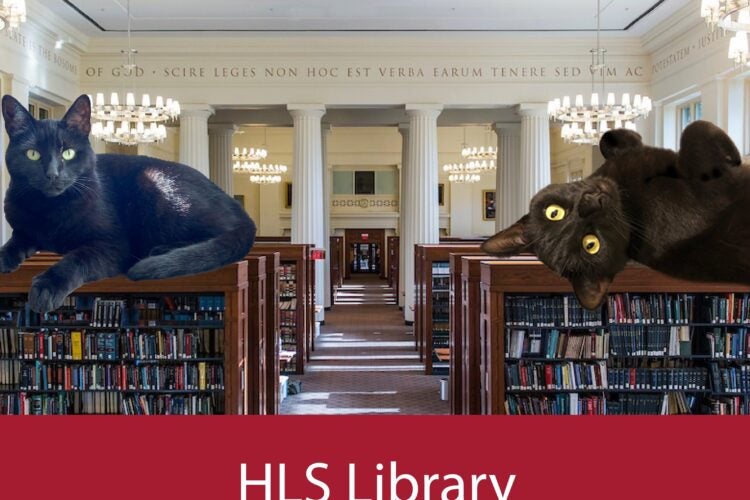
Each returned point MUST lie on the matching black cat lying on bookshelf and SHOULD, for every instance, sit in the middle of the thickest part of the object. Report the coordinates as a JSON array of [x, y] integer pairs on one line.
[[684, 214], [108, 214]]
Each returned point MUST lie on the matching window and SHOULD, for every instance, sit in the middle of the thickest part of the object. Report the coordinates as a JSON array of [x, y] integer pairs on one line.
[[364, 182], [39, 110], [688, 113]]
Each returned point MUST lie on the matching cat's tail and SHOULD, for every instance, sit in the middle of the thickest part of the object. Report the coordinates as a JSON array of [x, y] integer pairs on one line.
[[202, 257]]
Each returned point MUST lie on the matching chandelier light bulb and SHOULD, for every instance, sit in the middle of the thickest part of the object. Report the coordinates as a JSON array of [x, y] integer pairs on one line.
[[611, 99], [114, 99], [594, 99], [579, 101], [146, 101]]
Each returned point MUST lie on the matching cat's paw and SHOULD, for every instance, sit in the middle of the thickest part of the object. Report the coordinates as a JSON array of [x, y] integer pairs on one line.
[[8, 264], [45, 294], [150, 268]]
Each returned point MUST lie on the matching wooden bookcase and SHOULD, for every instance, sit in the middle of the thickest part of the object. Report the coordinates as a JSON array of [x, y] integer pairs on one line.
[[393, 265], [230, 283], [432, 313], [272, 340], [293, 284], [256, 346], [455, 343], [532, 280], [337, 261]]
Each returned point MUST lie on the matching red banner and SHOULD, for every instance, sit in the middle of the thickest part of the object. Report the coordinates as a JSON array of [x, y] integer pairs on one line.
[[377, 458]]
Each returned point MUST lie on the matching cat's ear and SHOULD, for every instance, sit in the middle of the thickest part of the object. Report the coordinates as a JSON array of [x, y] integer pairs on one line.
[[17, 119], [590, 292], [509, 241], [618, 141], [704, 147], [78, 117]]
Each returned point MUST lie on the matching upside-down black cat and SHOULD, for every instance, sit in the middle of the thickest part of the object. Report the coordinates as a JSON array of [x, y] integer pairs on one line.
[[682, 213], [108, 214]]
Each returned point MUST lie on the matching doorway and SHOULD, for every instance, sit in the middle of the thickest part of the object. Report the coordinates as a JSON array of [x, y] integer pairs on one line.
[[366, 258], [365, 252]]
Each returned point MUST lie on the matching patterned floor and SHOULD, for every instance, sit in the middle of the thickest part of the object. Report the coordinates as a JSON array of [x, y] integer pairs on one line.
[[364, 361]]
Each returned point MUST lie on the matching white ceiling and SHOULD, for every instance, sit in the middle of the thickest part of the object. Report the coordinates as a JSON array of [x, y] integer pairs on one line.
[[97, 17]]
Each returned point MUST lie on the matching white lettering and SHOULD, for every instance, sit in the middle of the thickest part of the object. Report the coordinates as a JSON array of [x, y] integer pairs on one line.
[[245, 482]]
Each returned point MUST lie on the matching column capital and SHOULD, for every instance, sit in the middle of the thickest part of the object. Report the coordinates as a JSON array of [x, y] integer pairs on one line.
[[325, 127], [509, 129], [428, 109], [315, 110], [403, 128], [536, 109], [222, 128], [196, 110]]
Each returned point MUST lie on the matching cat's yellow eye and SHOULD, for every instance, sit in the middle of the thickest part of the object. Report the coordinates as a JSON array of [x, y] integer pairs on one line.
[[33, 154], [69, 154], [591, 244], [555, 212]]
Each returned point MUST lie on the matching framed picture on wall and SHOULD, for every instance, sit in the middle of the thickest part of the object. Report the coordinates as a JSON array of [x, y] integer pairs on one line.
[[241, 200], [488, 204], [288, 198], [441, 194]]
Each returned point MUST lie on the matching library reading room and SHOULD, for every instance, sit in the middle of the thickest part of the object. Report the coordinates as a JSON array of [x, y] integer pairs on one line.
[[424, 207]]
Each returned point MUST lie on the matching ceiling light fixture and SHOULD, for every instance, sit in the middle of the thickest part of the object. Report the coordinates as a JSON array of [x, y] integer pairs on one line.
[[12, 13], [730, 15], [131, 123], [462, 173], [252, 154], [477, 153], [587, 124]]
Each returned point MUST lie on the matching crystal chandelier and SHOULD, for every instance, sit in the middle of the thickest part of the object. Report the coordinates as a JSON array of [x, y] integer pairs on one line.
[[587, 124], [732, 15], [461, 173], [131, 123], [12, 13], [479, 153], [267, 173], [265, 179], [252, 154]]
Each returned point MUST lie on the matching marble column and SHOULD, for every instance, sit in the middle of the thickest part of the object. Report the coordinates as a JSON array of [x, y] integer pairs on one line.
[[535, 153], [421, 191], [403, 129], [194, 136], [327, 188], [307, 186], [220, 155], [19, 89], [508, 174]]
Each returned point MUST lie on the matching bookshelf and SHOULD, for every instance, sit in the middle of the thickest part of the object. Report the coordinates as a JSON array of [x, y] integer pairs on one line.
[[256, 332], [658, 345], [456, 368], [337, 261], [173, 346], [432, 304], [294, 307], [272, 340]]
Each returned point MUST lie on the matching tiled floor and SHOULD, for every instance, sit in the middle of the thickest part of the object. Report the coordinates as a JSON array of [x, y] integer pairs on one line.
[[364, 361]]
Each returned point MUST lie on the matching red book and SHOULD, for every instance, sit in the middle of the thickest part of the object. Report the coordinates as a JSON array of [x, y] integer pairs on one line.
[[548, 376]]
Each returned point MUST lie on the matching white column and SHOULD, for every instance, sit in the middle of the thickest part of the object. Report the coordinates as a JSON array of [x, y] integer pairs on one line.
[[19, 89], [194, 136], [307, 185], [507, 177], [421, 190], [714, 101], [658, 113], [325, 131], [535, 154], [403, 129], [220, 155]]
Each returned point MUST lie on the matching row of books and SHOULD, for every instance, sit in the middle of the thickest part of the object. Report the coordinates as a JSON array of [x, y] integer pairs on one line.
[[62, 403], [57, 377], [288, 305], [730, 379], [731, 308], [726, 344], [288, 272], [652, 308], [557, 310], [440, 269], [131, 344], [537, 376], [558, 404], [195, 404], [651, 340], [556, 344], [10, 373], [728, 406], [288, 318], [651, 404], [660, 379], [110, 403]]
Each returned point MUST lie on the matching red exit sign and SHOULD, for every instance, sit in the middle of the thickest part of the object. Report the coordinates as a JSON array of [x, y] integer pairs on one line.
[[365, 236], [318, 254]]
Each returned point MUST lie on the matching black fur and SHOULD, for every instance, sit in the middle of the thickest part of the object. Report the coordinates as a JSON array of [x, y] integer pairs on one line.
[[684, 214], [109, 214]]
